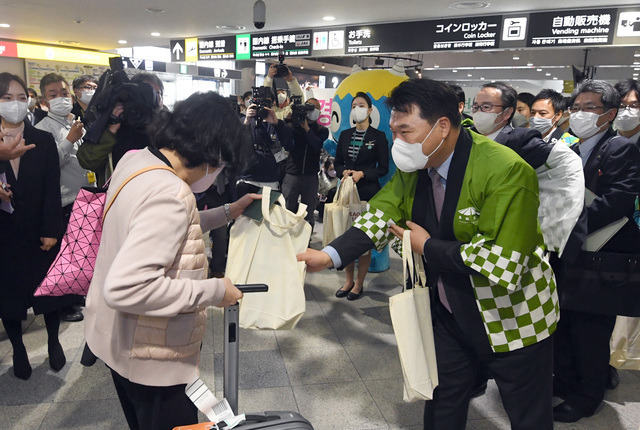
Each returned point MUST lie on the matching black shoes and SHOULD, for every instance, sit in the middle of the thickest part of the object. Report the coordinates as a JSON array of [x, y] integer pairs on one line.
[[343, 293], [354, 296], [71, 315], [565, 413], [57, 360], [21, 365]]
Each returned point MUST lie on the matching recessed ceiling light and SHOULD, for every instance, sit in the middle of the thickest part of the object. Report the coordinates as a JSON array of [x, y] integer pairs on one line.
[[635, 74], [78, 21], [435, 66], [68, 42], [515, 57], [323, 65], [155, 34], [555, 77], [5, 25], [482, 78], [636, 62], [637, 54], [154, 10], [122, 42], [469, 75], [635, 69], [469, 5], [454, 71], [547, 74], [328, 18], [539, 70], [231, 27], [530, 64]]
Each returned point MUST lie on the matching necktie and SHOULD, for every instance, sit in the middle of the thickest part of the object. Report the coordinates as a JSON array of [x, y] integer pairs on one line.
[[438, 199]]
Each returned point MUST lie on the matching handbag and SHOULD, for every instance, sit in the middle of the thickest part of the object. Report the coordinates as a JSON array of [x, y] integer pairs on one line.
[[264, 252], [411, 319], [625, 344], [603, 283], [342, 212], [72, 269]]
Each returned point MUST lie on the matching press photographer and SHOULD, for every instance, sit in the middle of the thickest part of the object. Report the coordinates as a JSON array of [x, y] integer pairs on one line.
[[279, 72], [120, 112], [303, 163], [270, 135]]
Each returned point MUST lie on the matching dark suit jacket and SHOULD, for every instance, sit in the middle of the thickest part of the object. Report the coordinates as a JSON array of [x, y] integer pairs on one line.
[[612, 172], [372, 160], [527, 142], [557, 134]]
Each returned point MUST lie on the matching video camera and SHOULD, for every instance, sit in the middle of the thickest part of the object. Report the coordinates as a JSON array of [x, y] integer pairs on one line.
[[281, 69], [299, 110], [262, 97]]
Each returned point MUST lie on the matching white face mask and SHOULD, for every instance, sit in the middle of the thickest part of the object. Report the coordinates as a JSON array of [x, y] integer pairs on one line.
[[204, 183], [409, 156], [85, 96], [13, 111], [247, 102], [31, 102], [543, 125], [313, 115], [60, 106], [485, 122], [282, 98], [627, 119], [584, 124], [519, 120], [359, 113]]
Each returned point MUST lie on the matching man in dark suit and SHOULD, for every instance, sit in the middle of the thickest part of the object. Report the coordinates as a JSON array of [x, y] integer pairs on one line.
[[627, 121], [463, 195], [547, 110], [612, 172]]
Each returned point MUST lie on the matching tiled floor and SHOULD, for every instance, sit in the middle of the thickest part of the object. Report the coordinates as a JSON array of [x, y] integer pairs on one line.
[[339, 368]]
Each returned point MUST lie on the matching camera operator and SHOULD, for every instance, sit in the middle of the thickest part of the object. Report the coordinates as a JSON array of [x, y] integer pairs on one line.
[[283, 108], [303, 163], [268, 132], [129, 106]]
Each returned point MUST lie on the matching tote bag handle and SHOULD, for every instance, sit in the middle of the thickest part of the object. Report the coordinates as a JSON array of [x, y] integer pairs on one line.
[[294, 219], [413, 276]]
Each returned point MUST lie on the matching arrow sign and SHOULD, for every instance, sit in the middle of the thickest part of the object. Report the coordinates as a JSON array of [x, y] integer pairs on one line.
[[177, 49], [223, 73]]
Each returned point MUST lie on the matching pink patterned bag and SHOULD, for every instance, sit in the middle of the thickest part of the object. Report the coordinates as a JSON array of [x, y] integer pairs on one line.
[[72, 270]]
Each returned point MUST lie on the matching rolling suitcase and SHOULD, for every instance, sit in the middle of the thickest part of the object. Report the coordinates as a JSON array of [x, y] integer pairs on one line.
[[272, 420]]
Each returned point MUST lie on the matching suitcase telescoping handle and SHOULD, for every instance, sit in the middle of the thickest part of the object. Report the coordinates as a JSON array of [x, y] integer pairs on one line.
[[232, 347]]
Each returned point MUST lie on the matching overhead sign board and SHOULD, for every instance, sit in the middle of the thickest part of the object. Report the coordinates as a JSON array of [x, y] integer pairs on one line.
[[293, 43], [54, 53], [217, 48], [572, 28], [148, 65], [465, 33], [177, 50], [397, 37]]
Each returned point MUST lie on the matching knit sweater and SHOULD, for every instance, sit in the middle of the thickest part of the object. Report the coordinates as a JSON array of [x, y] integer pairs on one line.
[[145, 314]]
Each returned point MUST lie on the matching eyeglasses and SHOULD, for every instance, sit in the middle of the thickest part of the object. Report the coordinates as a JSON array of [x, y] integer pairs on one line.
[[484, 107], [576, 109], [88, 88], [624, 107]]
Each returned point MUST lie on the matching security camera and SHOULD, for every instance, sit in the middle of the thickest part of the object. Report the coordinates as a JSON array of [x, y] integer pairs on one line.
[[259, 14]]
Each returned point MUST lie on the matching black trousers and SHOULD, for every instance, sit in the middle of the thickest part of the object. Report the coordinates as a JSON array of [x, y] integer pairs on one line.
[[523, 377], [581, 358], [154, 408], [305, 187]]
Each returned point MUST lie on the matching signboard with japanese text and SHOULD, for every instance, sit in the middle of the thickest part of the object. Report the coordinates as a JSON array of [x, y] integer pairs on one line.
[[293, 43], [465, 33], [572, 28], [384, 38], [328, 42], [217, 48]]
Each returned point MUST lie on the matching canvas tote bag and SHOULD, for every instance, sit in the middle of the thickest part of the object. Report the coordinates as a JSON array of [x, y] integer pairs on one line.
[[72, 270], [411, 319], [265, 253], [625, 344], [343, 211]]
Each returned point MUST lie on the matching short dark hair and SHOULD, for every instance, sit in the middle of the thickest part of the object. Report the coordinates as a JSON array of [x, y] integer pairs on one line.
[[247, 94], [609, 95], [459, 92], [434, 100], [6, 79], [31, 91], [556, 99], [625, 87], [508, 95], [364, 96], [81, 80], [203, 129], [146, 77], [51, 78], [526, 98]]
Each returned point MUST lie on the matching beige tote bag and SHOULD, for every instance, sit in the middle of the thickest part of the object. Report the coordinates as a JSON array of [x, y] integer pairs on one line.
[[343, 211], [625, 344], [265, 253], [411, 318]]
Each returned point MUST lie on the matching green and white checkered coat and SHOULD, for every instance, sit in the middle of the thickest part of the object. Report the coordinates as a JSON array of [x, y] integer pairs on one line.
[[496, 219]]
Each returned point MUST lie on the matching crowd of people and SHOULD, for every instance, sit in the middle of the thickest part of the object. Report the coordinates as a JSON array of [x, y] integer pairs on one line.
[[477, 193]]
